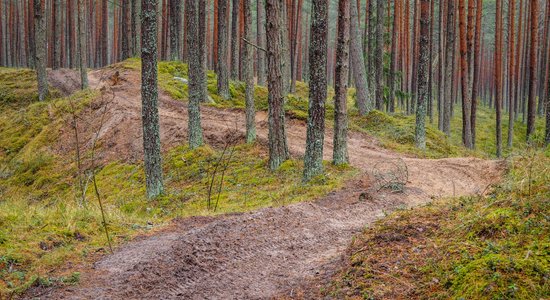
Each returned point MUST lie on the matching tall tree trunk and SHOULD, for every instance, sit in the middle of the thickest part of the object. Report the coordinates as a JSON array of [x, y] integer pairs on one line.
[[149, 99], [358, 61], [70, 33], [531, 105], [104, 33], [134, 35], [315, 138], [393, 59], [369, 51], [56, 13], [175, 29], [415, 48], [449, 62], [235, 40], [248, 73], [466, 101], [278, 147], [423, 70], [295, 40], [442, 72], [223, 80], [476, 79], [260, 40], [40, 52], [379, 56], [82, 46], [498, 76], [512, 69], [340, 143], [125, 29], [203, 11], [196, 73]]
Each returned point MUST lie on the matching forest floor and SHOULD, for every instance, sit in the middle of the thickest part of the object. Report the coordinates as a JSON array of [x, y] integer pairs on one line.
[[267, 253]]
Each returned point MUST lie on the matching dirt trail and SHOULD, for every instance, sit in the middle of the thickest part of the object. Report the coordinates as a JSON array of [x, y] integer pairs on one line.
[[261, 254]]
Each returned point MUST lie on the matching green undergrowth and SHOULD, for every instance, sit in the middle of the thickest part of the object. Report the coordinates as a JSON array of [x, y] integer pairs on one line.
[[493, 247], [44, 226], [394, 131]]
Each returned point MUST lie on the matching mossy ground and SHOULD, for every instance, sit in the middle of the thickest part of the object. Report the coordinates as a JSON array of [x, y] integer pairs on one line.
[[43, 227], [494, 247], [394, 131]]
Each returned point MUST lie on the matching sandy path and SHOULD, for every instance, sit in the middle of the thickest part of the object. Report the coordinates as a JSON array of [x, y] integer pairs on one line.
[[264, 253]]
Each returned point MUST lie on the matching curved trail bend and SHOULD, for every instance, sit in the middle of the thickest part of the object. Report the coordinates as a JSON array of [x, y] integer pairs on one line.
[[261, 254]]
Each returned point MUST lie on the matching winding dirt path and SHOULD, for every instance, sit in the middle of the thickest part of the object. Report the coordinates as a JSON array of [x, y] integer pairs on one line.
[[261, 254]]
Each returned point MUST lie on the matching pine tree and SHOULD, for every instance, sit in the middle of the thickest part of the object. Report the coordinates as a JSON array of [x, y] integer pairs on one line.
[[531, 104], [40, 52], [423, 70], [315, 138], [104, 33], [260, 40], [476, 77], [466, 101], [449, 62], [221, 65], [248, 73], [393, 58], [235, 40], [125, 29], [379, 56], [511, 81], [175, 27], [358, 63], [149, 98], [56, 37], [498, 76], [278, 147], [196, 73], [340, 144], [82, 45]]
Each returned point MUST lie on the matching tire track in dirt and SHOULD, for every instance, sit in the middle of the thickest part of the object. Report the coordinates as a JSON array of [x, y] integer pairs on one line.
[[260, 254]]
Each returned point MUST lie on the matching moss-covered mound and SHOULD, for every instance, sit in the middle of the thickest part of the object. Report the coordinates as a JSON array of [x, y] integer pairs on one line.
[[46, 226], [493, 247]]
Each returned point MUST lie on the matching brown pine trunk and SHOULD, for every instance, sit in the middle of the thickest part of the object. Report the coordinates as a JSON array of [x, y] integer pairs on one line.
[[449, 63], [260, 40], [466, 101], [393, 59], [223, 80], [278, 147], [477, 57], [441, 53], [531, 105], [498, 76], [363, 101], [56, 36], [235, 40], [340, 148], [125, 29], [104, 33], [512, 69], [82, 46], [423, 66], [40, 38]]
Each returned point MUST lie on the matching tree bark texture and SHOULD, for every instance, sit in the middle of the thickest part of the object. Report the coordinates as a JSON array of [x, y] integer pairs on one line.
[[149, 98]]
